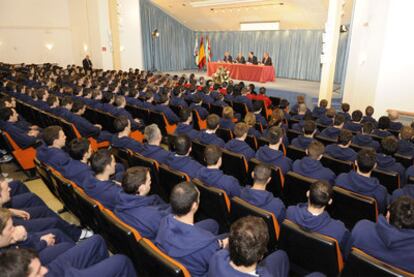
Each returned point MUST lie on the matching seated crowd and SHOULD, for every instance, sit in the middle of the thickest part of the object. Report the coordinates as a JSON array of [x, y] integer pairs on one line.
[[261, 133]]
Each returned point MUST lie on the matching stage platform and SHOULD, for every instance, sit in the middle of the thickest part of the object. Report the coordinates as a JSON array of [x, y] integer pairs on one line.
[[285, 88]]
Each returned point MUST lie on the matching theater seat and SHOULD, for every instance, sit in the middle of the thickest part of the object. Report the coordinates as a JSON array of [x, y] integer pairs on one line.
[[360, 264], [310, 251], [235, 164], [337, 166], [225, 134], [199, 124], [24, 157], [197, 151], [138, 112], [121, 155], [295, 153], [89, 210], [252, 142], [153, 262], [170, 177], [44, 172], [292, 134], [162, 122], [215, 204], [275, 185], [326, 141], [350, 207], [295, 188], [240, 108], [241, 208], [218, 110], [406, 161], [390, 180]]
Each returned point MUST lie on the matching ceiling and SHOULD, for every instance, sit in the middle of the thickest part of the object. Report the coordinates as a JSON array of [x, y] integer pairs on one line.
[[226, 15]]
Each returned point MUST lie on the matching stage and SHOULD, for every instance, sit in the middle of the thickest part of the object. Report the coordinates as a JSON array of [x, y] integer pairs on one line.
[[284, 88]]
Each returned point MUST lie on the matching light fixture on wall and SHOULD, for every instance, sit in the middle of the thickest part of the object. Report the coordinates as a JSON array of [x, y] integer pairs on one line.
[[49, 46], [343, 29], [85, 47], [121, 48], [155, 33]]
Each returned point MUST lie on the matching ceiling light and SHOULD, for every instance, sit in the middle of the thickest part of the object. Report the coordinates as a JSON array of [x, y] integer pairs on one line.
[[49, 46], [208, 3], [260, 26]]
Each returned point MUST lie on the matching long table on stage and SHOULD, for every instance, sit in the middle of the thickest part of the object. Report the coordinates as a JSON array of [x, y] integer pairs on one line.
[[248, 72]]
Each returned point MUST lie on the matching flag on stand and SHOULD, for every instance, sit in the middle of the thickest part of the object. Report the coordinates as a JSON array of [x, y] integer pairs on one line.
[[208, 50], [196, 51], [201, 55]]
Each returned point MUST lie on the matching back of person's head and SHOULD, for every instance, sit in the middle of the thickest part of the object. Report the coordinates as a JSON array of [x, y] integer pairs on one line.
[[212, 154], [248, 240], [250, 119], [120, 123], [262, 173], [323, 103], [315, 149], [228, 112], [339, 120], [331, 112], [152, 133], [197, 99], [257, 106], [185, 114], [66, 100], [107, 97], [262, 90], [240, 129], [393, 115], [5, 114], [274, 135], [300, 99], [16, 263], [384, 122], [369, 111], [182, 198], [302, 109], [309, 127], [345, 137], [366, 160], [50, 134], [367, 128], [119, 100], [163, 98], [320, 194], [51, 99], [182, 144], [133, 178], [356, 116], [213, 121], [284, 103], [78, 105], [78, 147], [406, 133], [402, 213], [100, 160], [389, 145], [345, 107]]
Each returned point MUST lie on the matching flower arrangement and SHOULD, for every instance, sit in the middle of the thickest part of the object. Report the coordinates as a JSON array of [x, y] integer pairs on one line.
[[221, 75]]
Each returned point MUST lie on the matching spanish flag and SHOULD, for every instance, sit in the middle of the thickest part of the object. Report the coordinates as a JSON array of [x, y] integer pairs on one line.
[[201, 55]]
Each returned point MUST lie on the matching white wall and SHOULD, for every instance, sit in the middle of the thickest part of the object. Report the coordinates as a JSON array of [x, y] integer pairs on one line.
[[381, 59]]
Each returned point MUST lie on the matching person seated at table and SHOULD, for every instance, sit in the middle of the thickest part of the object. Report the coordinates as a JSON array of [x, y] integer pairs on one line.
[[245, 256], [266, 59], [342, 151], [240, 59], [209, 136], [238, 144], [227, 57], [252, 59]]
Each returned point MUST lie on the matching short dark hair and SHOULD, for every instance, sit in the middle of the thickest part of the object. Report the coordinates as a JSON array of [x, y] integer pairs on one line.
[[345, 107], [182, 144], [262, 173], [107, 97], [120, 123], [213, 121], [367, 127], [320, 192], [182, 197], [212, 153], [257, 106], [185, 114], [366, 159], [133, 178], [339, 119], [51, 99], [248, 240], [100, 160], [119, 100], [16, 262], [323, 103], [78, 105], [240, 129], [50, 134], [369, 111], [66, 100], [389, 145], [384, 122], [5, 114], [345, 136], [309, 127], [315, 149], [274, 134], [402, 213], [78, 147], [356, 115]]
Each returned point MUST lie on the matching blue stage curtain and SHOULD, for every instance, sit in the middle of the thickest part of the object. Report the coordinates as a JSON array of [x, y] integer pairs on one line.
[[295, 53]]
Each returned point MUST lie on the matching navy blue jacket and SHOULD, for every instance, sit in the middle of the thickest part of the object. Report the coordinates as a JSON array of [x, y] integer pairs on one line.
[[381, 133], [409, 172], [155, 152], [184, 164], [62, 112], [395, 126], [331, 132], [318, 112], [322, 223], [368, 186], [122, 112], [109, 108], [274, 265], [353, 126], [313, 169], [340, 153], [302, 142], [106, 192], [275, 157], [265, 200], [127, 143], [85, 128], [20, 136], [202, 112], [143, 213], [207, 139], [369, 119], [226, 123], [240, 147], [365, 141], [388, 163], [406, 148], [169, 114], [216, 178], [178, 101], [385, 242], [245, 100], [346, 115], [188, 244], [253, 132], [324, 120], [77, 171], [186, 129], [260, 118], [56, 158], [407, 190]]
